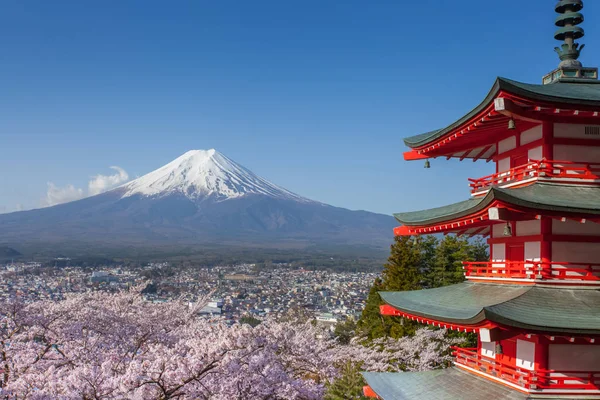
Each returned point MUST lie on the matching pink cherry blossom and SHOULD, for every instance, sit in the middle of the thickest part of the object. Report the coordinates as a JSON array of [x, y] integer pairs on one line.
[[119, 346]]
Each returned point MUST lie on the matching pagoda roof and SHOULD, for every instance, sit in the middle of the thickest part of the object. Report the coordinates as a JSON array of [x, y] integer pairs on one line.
[[442, 384], [583, 93], [462, 303], [549, 197], [528, 307]]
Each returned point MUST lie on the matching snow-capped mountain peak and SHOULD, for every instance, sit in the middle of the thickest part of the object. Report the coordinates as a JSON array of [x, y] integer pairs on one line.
[[205, 173]]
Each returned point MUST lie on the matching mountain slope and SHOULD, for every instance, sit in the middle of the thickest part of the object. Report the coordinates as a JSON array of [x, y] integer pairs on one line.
[[200, 198]]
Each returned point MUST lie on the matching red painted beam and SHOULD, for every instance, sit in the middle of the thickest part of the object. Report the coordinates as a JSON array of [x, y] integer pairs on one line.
[[576, 142], [391, 311], [413, 155], [368, 392], [402, 231]]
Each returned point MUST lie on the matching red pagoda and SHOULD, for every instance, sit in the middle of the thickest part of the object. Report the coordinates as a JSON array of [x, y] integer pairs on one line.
[[535, 305]]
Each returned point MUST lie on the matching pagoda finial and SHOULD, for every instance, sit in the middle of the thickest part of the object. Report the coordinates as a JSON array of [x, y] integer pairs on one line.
[[570, 68], [568, 31]]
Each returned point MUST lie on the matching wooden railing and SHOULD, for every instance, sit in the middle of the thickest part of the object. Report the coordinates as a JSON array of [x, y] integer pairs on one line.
[[531, 380], [533, 270], [538, 168]]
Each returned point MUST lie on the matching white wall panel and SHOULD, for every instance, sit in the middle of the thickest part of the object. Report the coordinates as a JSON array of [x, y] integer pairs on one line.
[[498, 230], [531, 135], [528, 228], [525, 354], [574, 131], [488, 349], [507, 144], [535, 153], [532, 251], [504, 164], [574, 357], [570, 227], [576, 252], [499, 254], [576, 153]]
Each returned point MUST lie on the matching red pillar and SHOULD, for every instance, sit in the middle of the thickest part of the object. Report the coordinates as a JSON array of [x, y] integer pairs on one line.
[[547, 140], [541, 353], [546, 246], [546, 223]]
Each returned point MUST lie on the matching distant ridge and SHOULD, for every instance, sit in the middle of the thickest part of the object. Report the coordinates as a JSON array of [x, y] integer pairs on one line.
[[8, 252]]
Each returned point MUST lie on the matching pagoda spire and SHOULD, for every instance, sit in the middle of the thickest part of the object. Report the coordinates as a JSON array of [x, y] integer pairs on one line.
[[570, 68], [568, 31]]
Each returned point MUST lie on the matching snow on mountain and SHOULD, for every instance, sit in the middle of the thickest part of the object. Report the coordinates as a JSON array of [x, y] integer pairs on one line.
[[199, 174]]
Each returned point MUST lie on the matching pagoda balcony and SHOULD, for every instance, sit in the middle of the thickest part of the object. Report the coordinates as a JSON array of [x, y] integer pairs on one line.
[[531, 381], [534, 170], [534, 271]]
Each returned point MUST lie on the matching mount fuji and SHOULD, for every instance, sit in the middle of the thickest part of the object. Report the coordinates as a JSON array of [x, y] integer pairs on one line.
[[201, 198], [205, 174]]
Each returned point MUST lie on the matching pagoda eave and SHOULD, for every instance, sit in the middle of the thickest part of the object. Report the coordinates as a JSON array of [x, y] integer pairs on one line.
[[470, 306], [391, 311], [531, 201], [475, 135]]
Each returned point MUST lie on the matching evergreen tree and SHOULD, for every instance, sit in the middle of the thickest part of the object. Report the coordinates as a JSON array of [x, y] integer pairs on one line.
[[371, 323], [348, 386], [449, 255], [402, 270], [408, 259], [413, 264]]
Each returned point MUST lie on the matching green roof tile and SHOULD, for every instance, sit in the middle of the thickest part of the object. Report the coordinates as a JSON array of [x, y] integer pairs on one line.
[[529, 307], [444, 384], [460, 303], [556, 309]]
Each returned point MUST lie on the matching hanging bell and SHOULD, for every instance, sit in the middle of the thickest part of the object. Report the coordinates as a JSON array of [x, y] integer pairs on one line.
[[507, 230], [427, 164], [415, 240], [511, 124], [498, 349]]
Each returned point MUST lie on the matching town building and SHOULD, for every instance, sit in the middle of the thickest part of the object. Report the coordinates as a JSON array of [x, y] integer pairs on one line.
[[535, 305]]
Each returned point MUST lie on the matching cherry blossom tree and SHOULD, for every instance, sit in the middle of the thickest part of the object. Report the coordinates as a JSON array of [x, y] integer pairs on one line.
[[119, 346]]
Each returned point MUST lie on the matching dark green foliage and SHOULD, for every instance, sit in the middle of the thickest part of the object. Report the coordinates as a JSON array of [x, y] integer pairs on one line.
[[344, 331], [250, 320], [402, 270], [348, 386], [371, 323], [413, 264], [448, 256]]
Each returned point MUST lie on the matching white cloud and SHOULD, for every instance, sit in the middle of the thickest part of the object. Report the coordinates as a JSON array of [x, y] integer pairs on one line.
[[102, 183], [98, 184], [7, 210], [58, 195]]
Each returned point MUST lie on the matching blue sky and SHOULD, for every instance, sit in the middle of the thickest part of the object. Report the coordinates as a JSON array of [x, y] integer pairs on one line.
[[316, 96]]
